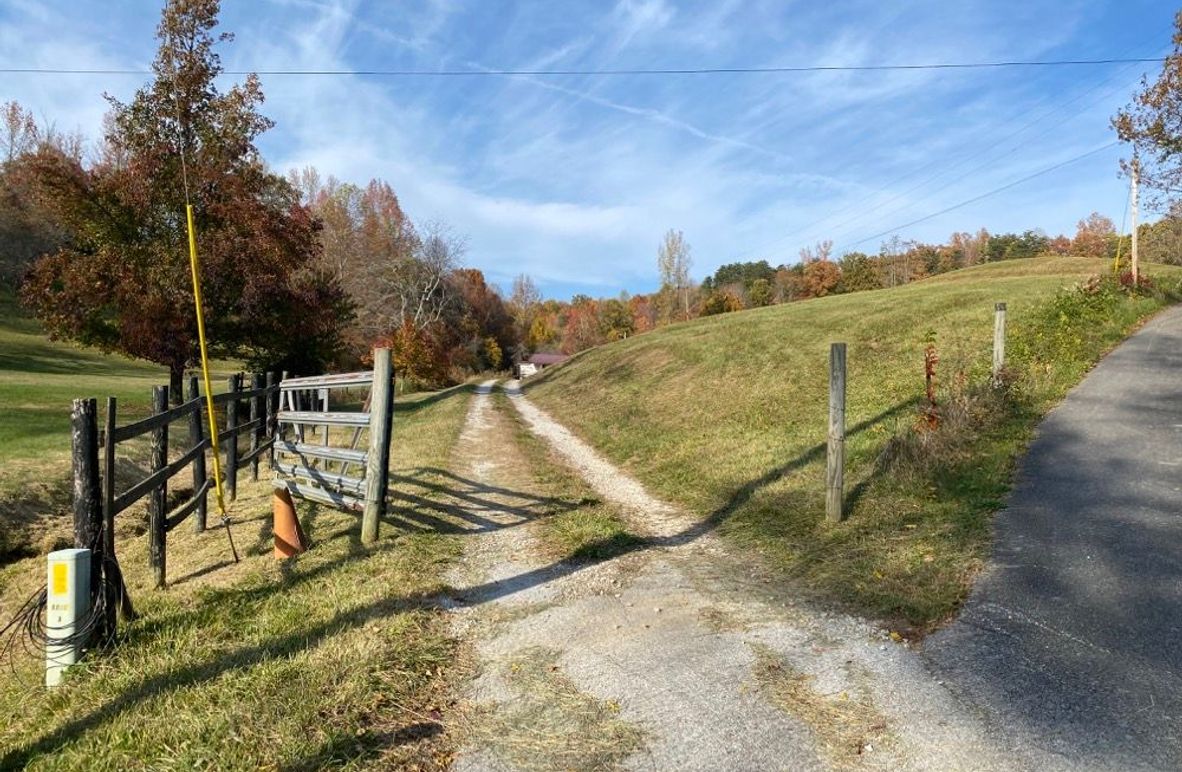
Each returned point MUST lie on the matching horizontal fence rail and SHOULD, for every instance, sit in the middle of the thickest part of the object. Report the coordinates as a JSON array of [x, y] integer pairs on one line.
[[261, 404], [305, 469]]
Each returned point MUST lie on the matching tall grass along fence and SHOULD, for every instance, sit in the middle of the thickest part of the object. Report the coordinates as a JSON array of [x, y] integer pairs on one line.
[[835, 510]]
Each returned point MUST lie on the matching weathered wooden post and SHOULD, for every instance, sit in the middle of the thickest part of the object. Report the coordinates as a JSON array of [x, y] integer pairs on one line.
[[196, 435], [836, 451], [999, 341], [322, 399], [106, 630], [88, 503], [269, 433], [377, 470], [231, 482], [158, 498], [256, 432]]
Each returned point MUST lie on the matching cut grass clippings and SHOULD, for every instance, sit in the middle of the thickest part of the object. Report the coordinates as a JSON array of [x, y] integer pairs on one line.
[[845, 726], [340, 657], [548, 724], [727, 416]]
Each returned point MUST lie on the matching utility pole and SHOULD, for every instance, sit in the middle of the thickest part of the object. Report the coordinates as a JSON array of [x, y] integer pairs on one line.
[[1133, 257]]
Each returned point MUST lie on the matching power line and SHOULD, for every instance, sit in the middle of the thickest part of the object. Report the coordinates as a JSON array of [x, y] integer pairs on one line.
[[944, 168], [985, 195], [842, 231], [638, 71]]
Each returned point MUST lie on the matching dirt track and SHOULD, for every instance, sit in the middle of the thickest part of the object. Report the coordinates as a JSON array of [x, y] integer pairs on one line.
[[677, 650]]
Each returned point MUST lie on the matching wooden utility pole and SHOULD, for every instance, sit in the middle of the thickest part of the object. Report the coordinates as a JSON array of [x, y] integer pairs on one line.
[[1133, 256], [836, 446]]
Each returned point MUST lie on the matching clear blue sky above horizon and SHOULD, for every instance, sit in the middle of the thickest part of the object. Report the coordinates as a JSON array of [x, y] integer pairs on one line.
[[574, 180]]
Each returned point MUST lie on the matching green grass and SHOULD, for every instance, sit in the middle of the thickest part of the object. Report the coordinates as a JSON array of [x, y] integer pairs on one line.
[[340, 657], [727, 415], [39, 379], [581, 527]]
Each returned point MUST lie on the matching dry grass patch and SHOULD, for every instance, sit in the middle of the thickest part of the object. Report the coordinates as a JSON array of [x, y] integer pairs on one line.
[[845, 726], [549, 724]]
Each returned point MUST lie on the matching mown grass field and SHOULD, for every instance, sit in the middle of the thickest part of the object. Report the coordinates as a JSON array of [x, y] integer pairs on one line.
[[38, 380], [338, 658], [727, 415]]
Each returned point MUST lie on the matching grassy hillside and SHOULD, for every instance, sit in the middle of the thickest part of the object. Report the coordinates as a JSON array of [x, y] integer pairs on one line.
[[727, 415], [38, 381]]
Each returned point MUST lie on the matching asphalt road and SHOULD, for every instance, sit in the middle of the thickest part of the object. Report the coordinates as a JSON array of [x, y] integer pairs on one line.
[[1071, 642]]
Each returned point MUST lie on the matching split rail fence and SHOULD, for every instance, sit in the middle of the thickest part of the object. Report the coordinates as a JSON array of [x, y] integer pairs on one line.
[[252, 425]]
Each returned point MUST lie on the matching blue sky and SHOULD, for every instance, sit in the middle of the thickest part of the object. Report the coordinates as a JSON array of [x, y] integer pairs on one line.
[[574, 180]]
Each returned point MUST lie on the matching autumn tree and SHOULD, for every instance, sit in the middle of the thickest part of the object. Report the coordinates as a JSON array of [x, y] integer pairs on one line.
[[615, 318], [122, 281], [822, 251], [760, 292], [581, 329], [1060, 245], [1161, 242], [858, 272], [524, 304], [28, 229], [820, 278], [722, 301], [644, 313], [367, 243], [1152, 124], [673, 264], [1093, 236]]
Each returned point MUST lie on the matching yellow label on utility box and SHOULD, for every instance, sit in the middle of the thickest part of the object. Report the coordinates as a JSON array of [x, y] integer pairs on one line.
[[61, 578]]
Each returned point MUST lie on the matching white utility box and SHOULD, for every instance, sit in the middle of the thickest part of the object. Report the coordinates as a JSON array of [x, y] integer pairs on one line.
[[66, 605]]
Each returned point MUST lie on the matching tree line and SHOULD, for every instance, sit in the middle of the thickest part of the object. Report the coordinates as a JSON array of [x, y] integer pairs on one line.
[[299, 272], [584, 322], [305, 272]]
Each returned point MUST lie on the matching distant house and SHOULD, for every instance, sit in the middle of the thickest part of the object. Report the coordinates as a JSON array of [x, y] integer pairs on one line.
[[538, 362]]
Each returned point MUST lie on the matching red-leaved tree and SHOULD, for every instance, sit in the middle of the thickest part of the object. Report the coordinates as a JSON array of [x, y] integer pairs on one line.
[[122, 281]]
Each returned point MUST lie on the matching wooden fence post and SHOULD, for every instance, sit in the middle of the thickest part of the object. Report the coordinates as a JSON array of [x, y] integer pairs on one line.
[[196, 435], [269, 426], [256, 414], [377, 471], [836, 454], [158, 499], [231, 483], [999, 341], [106, 630], [88, 503]]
